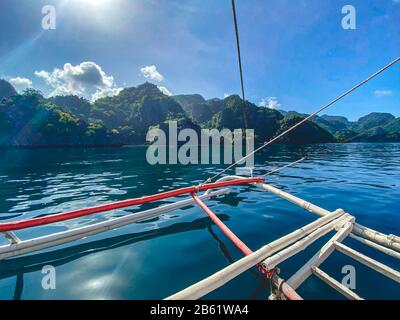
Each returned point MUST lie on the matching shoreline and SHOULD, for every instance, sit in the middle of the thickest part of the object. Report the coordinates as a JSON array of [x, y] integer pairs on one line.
[[116, 146]]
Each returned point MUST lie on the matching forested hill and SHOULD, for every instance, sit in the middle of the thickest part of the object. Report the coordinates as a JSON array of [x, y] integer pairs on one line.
[[30, 119], [267, 123], [374, 127]]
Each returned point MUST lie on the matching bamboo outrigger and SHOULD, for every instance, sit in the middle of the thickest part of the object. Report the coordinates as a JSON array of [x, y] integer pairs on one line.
[[266, 258], [282, 249]]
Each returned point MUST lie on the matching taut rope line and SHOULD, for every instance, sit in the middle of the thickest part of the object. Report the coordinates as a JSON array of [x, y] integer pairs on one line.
[[240, 64], [267, 143], [284, 167]]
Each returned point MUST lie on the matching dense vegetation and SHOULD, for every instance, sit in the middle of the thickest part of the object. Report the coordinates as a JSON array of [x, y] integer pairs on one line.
[[29, 119], [130, 113], [6, 89], [374, 127]]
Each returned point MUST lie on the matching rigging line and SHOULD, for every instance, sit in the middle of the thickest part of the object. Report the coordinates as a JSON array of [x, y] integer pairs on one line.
[[306, 119], [240, 64], [284, 167], [306, 157], [360, 134], [350, 139], [323, 153]]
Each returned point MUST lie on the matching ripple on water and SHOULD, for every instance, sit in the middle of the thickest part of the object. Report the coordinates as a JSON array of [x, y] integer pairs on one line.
[[363, 179]]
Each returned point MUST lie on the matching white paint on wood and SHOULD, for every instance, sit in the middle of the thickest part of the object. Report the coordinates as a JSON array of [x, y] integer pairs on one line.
[[369, 262], [335, 284], [271, 262], [376, 246], [305, 271], [31, 245], [391, 241], [225, 275]]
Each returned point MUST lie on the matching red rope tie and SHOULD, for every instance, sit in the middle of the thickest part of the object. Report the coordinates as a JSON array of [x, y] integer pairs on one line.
[[267, 273]]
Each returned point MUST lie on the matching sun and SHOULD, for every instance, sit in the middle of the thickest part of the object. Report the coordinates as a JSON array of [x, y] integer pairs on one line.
[[94, 2]]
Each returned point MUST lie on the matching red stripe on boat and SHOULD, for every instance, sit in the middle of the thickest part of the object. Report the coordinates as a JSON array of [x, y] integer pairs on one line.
[[34, 222]]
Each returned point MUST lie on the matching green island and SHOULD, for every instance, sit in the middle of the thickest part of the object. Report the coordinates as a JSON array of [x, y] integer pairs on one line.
[[29, 119]]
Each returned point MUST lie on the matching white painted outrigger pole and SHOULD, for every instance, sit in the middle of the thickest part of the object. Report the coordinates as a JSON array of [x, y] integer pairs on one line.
[[282, 249], [19, 247], [270, 255]]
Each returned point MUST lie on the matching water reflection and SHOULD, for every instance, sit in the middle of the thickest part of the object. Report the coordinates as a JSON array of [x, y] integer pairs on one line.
[[40, 182], [35, 262]]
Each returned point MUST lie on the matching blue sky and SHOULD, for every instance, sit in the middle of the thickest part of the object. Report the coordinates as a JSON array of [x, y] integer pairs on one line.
[[295, 53]]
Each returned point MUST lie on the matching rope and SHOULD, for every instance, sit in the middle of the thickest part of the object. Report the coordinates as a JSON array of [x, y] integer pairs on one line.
[[347, 140], [285, 166], [240, 64], [267, 143], [323, 153]]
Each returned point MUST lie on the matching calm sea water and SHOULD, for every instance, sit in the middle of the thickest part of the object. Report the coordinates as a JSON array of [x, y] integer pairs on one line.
[[153, 259]]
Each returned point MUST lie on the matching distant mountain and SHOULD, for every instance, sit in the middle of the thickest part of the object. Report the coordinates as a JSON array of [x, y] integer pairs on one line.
[[130, 113], [6, 89], [374, 127], [195, 106], [393, 126], [264, 121], [198, 109], [307, 133], [73, 104], [228, 113], [333, 123], [378, 127], [29, 119], [373, 120]]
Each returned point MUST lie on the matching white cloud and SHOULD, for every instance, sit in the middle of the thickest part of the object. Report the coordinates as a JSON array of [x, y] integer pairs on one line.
[[150, 72], [383, 93], [106, 93], [270, 102], [164, 90], [21, 83], [86, 79]]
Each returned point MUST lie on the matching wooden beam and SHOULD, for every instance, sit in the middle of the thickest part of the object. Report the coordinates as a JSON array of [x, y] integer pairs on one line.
[[335, 284], [31, 245], [369, 262], [378, 237], [271, 262], [305, 271], [390, 241], [225, 275], [376, 246]]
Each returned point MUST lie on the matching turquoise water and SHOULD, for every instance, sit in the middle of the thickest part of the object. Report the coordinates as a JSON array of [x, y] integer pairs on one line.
[[153, 259]]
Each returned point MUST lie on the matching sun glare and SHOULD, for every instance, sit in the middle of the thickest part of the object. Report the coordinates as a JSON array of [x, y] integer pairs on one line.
[[94, 2]]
